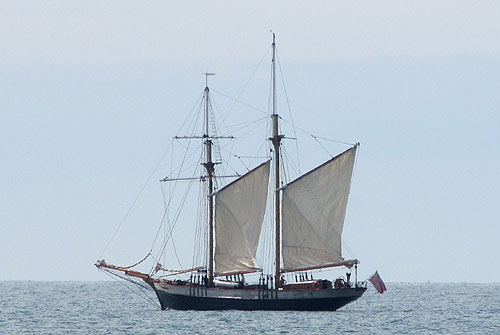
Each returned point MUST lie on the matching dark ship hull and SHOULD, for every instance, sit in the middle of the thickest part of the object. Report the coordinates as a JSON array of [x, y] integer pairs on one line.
[[202, 298]]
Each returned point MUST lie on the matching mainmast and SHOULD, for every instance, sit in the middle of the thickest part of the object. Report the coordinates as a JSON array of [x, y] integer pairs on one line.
[[209, 166], [276, 139]]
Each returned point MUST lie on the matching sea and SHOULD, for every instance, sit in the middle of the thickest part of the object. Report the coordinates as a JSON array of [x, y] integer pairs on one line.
[[30, 307]]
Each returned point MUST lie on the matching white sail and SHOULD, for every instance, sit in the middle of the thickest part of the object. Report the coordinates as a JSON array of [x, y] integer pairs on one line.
[[239, 213], [314, 207]]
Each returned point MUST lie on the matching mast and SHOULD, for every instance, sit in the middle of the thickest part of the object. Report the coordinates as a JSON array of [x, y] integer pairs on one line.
[[276, 139], [209, 166]]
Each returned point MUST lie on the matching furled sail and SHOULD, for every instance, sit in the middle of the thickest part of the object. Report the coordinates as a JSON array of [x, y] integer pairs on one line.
[[313, 210], [239, 213]]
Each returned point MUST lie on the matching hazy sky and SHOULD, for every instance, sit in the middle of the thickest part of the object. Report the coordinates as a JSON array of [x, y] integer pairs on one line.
[[91, 93]]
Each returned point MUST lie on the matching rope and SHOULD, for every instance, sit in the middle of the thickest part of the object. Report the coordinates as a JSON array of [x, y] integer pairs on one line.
[[243, 125], [321, 145], [289, 109], [144, 295], [169, 200], [197, 103], [139, 262], [241, 102], [322, 138], [176, 217], [352, 180], [243, 163], [176, 255], [336, 141], [135, 201], [246, 84]]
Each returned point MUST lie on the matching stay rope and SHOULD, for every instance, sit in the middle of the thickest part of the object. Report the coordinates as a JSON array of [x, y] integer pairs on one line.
[[135, 201], [139, 262], [118, 278]]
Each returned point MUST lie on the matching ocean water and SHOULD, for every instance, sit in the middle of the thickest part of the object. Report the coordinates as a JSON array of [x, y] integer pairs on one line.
[[113, 308]]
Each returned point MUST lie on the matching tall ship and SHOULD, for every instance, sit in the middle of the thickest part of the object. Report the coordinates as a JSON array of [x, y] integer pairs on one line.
[[307, 216]]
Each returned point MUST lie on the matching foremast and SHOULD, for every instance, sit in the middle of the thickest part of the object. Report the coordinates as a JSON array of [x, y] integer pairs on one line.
[[209, 166]]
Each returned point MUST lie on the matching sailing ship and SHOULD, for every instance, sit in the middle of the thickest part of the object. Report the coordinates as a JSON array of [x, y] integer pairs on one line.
[[309, 214]]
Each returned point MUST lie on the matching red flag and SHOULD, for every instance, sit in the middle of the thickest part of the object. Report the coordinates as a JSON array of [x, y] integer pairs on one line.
[[377, 282]]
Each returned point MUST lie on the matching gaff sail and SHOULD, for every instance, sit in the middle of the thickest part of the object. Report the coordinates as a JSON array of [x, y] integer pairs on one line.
[[313, 210], [239, 212]]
